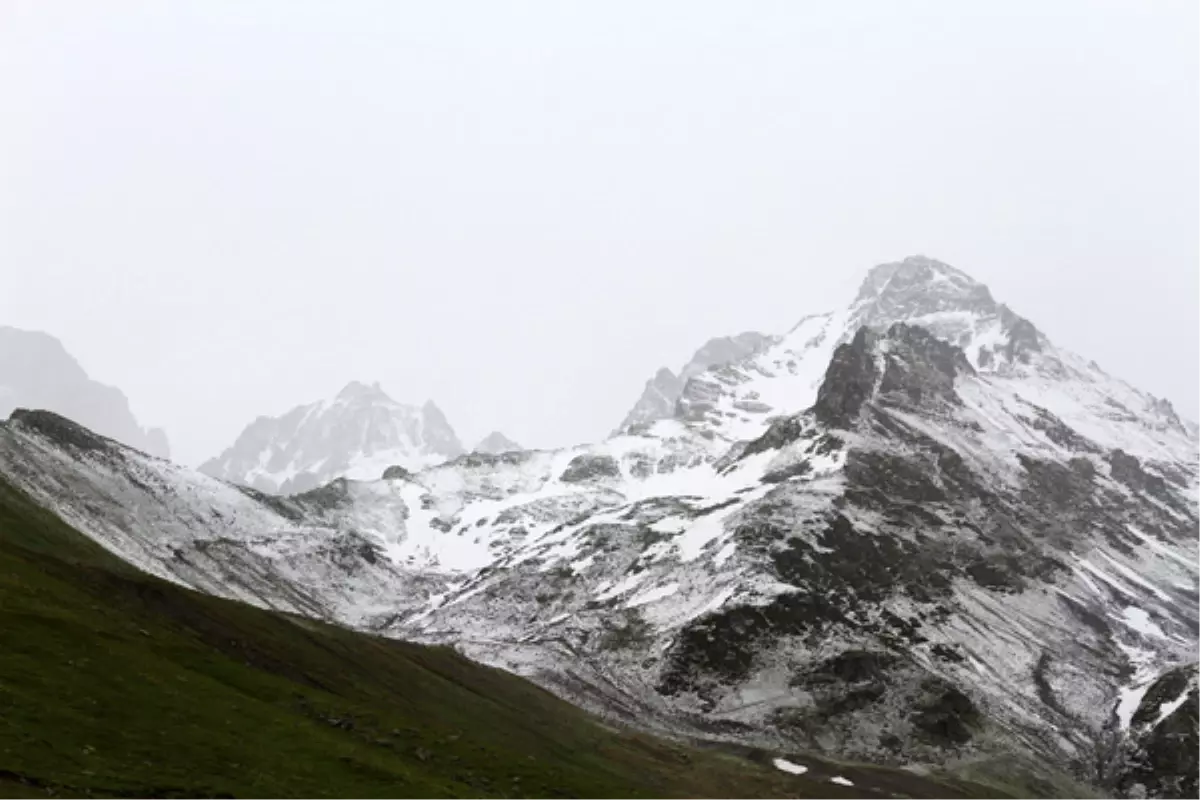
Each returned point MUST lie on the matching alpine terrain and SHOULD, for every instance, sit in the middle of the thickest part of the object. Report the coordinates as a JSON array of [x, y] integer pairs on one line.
[[911, 532], [357, 434]]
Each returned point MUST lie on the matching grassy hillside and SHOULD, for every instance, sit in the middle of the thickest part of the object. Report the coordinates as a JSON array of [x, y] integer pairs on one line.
[[113, 683]]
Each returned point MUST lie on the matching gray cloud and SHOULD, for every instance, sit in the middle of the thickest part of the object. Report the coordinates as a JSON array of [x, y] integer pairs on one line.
[[523, 210]]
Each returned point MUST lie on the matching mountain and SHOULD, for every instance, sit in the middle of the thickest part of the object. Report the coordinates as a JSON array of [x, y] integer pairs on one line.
[[36, 371], [149, 690], [358, 434], [116, 684], [663, 391], [495, 443], [912, 531]]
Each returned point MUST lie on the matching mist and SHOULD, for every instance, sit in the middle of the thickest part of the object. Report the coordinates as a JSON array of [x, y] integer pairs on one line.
[[522, 210]]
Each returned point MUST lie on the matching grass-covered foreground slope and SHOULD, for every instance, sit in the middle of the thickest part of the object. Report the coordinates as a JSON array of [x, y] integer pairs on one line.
[[116, 683]]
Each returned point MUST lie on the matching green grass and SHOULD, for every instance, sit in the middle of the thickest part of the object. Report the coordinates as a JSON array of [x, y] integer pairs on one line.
[[114, 683]]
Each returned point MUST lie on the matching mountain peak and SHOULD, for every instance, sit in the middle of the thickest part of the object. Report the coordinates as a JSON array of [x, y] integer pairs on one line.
[[358, 390], [37, 372], [495, 443], [357, 435], [941, 287], [663, 391]]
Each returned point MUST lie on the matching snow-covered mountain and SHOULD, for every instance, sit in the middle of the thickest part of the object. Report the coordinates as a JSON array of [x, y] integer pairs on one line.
[[663, 391], [357, 434], [495, 443], [912, 531], [36, 371]]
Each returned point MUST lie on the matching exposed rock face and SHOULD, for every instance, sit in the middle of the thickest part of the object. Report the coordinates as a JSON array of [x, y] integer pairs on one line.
[[657, 401], [36, 372], [396, 472], [590, 468], [849, 382], [910, 368], [1160, 757], [358, 434], [664, 390], [911, 557]]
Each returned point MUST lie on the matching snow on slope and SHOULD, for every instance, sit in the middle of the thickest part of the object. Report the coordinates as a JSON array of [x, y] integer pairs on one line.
[[358, 434], [735, 400], [838, 532], [186, 527]]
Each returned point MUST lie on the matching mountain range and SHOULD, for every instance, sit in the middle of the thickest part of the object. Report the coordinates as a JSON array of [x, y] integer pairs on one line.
[[357, 434], [36, 371], [911, 531]]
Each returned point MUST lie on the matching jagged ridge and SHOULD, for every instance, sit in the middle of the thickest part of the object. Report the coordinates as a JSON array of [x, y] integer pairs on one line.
[[944, 555], [358, 434]]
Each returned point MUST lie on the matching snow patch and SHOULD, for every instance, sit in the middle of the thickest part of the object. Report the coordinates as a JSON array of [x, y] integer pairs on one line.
[[788, 766], [1140, 621], [654, 594]]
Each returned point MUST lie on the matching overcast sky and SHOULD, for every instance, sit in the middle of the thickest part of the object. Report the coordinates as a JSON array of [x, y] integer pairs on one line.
[[522, 210]]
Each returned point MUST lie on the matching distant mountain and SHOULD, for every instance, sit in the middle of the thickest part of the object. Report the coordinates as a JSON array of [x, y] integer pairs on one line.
[[496, 442], [36, 371], [663, 391], [357, 434]]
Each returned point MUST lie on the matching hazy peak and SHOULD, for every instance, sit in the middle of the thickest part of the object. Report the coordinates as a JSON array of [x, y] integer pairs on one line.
[[496, 443], [37, 372]]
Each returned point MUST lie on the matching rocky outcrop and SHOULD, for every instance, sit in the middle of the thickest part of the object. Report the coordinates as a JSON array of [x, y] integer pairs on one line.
[[1160, 757], [849, 381], [590, 468]]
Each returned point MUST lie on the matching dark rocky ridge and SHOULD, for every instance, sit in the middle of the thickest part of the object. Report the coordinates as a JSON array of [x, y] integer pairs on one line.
[[58, 428], [1161, 758], [917, 368]]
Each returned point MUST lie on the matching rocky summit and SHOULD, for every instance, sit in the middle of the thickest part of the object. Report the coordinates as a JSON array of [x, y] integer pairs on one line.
[[911, 531], [357, 434]]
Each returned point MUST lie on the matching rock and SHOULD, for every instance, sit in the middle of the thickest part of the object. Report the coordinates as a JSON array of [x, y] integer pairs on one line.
[[396, 473], [587, 467]]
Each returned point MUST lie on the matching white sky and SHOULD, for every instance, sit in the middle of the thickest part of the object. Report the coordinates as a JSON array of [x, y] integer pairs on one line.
[[522, 209]]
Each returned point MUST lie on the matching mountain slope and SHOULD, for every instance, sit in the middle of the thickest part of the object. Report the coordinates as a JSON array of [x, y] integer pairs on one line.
[[114, 683], [663, 391], [941, 543], [358, 434], [36, 371]]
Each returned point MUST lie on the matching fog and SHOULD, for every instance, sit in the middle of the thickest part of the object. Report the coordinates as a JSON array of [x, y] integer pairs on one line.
[[522, 210]]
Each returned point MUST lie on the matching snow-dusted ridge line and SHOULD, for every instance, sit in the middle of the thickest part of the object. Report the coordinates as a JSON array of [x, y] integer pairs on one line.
[[358, 434], [796, 538]]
